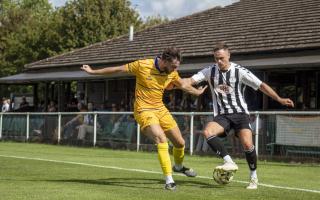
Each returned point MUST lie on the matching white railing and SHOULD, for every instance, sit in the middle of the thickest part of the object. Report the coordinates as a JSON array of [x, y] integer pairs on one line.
[[191, 114]]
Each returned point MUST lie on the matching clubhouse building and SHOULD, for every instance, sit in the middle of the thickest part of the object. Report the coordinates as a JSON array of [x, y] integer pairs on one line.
[[279, 41]]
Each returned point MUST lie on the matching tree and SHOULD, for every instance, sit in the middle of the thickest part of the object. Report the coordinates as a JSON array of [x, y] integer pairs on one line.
[[32, 30], [153, 21], [89, 21], [23, 24]]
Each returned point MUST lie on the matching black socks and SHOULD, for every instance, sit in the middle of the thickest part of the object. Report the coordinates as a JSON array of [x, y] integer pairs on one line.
[[251, 157], [217, 146]]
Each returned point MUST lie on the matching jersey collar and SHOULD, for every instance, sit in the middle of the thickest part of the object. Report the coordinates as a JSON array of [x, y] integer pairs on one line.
[[230, 67], [156, 64]]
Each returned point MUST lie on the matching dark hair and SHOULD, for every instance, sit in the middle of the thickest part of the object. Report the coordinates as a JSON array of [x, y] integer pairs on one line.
[[171, 53], [82, 106], [219, 46]]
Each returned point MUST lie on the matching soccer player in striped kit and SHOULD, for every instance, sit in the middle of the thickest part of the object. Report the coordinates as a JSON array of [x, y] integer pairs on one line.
[[226, 81]]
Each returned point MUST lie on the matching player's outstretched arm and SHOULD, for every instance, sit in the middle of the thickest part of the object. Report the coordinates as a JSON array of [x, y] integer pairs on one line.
[[185, 84], [107, 70], [266, 89]]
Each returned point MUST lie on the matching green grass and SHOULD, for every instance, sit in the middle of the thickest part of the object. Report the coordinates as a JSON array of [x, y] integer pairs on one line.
[[39, 179]]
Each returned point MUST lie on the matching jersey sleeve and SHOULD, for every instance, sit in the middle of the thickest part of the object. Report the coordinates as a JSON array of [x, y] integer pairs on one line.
[[133, 67], [249, 79], [176, 76], [201, 75]]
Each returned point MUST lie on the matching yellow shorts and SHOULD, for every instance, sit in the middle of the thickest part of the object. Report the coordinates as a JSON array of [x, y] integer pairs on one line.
[[162, 117]]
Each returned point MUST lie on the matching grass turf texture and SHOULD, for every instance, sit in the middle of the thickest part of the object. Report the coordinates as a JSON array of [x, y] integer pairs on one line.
[[39, 179]]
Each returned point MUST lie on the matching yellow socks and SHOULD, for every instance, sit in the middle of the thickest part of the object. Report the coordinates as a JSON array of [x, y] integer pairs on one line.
[[164, 158], [178, 154]]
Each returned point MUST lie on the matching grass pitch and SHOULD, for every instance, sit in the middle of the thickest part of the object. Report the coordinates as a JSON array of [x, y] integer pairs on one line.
[[36, 171]]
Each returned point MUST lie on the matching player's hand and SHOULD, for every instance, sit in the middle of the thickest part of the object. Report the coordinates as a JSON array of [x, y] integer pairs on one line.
[[286, 102], [201, 89], [87, 68], [171, 86]]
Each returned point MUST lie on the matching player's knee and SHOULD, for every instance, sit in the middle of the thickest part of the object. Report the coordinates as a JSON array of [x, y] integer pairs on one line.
[[180, 144], [247, 146], [206, 133], [160, 139]]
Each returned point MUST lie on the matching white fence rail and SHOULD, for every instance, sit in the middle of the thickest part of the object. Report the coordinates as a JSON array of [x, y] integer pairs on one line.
[[258, 115]]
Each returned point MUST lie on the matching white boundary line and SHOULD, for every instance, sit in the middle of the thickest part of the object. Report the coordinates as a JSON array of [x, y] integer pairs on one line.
[[150, 172]]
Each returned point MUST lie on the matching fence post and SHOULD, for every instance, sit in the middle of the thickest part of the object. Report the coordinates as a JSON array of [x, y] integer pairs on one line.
[[191, 132], [95, 130], [1, 118], [28, 125], [138, 137], [59, 127], [257, 134]]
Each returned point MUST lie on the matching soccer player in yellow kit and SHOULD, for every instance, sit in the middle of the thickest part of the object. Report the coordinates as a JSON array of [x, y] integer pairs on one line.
[[153, 76]]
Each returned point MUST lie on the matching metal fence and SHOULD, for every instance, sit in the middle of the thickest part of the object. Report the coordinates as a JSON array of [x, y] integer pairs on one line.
[[286, 134]]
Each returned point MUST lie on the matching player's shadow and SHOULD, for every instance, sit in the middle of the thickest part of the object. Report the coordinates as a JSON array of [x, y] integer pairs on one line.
[[139, 182], [136, 182]]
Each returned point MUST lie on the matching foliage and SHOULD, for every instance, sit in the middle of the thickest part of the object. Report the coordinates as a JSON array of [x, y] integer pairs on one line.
[[25, 33], [31, 30], [153, 21], [89, 21]]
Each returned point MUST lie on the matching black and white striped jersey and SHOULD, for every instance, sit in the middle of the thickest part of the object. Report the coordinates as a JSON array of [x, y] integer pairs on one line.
[[227, 88]]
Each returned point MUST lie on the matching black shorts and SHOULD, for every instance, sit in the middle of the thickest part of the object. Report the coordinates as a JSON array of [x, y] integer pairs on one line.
[[236, 121]]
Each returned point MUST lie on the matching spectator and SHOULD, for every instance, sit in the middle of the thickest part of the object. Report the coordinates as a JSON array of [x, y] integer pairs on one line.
[[41, 107], [171, 101], [48, 130], [24, 103], [123, 127], [114, 117], [73, 124], [5, 105], [101, 107], [120, 119], [52, 107], [72, 106], [87, 126]]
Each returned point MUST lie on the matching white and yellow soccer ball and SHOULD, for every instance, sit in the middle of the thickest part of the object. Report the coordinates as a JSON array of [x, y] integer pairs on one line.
[[222, 177]]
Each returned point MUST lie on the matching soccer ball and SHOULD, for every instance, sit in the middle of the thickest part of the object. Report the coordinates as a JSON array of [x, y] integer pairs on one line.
[[222, 177]]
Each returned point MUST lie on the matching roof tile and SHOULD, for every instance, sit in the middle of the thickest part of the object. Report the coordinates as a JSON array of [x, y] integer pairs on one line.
[[248, 26]]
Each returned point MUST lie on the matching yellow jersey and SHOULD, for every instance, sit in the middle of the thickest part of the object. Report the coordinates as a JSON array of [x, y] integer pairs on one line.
[[150, 83]]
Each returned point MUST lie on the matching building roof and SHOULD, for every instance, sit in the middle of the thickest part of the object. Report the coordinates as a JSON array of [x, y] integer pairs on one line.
[[248, 26], [66, 74]]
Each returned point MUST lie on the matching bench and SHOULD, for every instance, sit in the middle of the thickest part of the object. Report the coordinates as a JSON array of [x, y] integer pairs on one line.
[[125, 133], [288, 150], [307, 151]]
